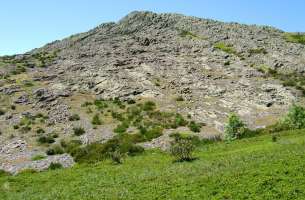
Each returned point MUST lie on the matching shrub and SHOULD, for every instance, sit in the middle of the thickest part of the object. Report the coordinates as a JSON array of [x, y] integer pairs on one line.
[[227, 63], [54, 166], [2, 112], [131, 101], [180, 98], [74, 117], [194, 127], [149, 106], [78, 131], [13, 107], [70, 146], [96, 120], [40, 131], [96, 152], [235, 128], [180, 121], [295, 119], [121, 128], [46, 139], [16, 126], [117, 157], [55, 150], [183, 146]]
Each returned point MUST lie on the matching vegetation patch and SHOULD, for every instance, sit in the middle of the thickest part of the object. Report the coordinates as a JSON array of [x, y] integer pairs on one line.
[[295, 37]]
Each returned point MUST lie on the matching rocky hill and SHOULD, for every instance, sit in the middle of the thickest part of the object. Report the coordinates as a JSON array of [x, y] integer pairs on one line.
[[199, 69]]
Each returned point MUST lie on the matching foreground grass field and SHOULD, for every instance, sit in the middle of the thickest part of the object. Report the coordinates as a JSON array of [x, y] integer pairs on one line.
[[253, 168]]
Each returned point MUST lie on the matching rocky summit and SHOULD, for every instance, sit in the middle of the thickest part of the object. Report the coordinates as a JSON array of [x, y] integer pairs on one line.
[[85, 87]]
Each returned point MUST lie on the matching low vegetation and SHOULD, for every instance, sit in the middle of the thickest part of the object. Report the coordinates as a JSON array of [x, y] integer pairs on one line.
[[295, 37], [225, 47], [251, 168]]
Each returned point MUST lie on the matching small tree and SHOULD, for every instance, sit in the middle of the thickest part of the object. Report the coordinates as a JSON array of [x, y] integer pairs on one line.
[[295, 118], [183, 146], [235, 128]]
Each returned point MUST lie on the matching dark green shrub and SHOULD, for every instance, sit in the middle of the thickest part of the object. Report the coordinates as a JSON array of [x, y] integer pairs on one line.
[[16, 126], [78, 131], [180, 98], [122, 128], [74, 117], [183, 146], [96, 152], [13, 107], [54, 166], [117, 157], [25, 129], [55, 150], [70, 146], [2, 112], [149, 106], [274, 138], [131, 101], [194, 127], [40, 131], [235, 128], [96, 120], [46, 139], [227, 63]]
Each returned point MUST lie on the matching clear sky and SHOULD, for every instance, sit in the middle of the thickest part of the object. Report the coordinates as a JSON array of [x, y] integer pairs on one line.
[[27, 24]]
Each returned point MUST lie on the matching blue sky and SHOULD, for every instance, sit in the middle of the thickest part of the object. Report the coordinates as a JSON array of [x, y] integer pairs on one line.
[[32, 23]]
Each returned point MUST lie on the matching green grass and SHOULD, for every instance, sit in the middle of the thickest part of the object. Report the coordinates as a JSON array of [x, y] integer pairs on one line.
[[226, 48], [253, 168], [295, 37]]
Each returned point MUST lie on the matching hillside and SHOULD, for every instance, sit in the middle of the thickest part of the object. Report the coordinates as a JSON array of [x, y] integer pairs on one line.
[[145, 77], [254, 168]]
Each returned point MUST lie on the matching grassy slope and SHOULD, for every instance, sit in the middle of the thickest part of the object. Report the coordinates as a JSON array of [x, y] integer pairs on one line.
[[254, 168]]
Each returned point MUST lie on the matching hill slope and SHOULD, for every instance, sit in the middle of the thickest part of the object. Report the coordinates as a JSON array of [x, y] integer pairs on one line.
[[197, 69], [254, 168]]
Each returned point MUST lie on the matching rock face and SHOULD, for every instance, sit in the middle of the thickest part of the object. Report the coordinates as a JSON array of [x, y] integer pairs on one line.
[[216, 68], [166, 55]]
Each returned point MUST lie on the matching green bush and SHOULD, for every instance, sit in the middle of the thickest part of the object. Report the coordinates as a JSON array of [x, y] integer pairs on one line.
[[295, 119], [96, 152], [78, 131], [122, 128], [46, 139], [149, 106], [96, 120], [117, 157], [183, 146], [40, 131], [235, 128], [54, 166], [55, 150], [194, 127]]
